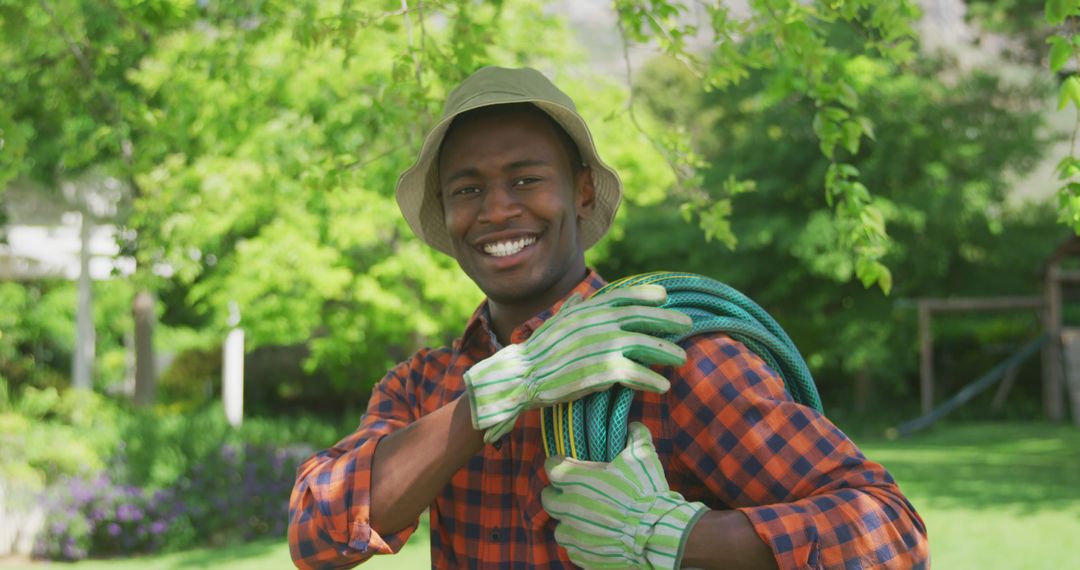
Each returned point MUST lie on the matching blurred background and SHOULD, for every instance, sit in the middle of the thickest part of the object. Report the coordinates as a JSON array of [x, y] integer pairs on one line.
[[203, 271]]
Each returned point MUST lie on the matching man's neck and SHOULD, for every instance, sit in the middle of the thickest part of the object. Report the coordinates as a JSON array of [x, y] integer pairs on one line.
[[505, 317]]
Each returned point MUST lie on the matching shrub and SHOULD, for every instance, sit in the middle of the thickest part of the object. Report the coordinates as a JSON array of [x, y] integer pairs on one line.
[[61, 434], [120, 481], [102, 517], [241, 494], [192, 379]]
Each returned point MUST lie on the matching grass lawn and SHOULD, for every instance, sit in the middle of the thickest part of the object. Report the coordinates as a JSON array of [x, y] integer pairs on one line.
[[264, 555], [993, 495]]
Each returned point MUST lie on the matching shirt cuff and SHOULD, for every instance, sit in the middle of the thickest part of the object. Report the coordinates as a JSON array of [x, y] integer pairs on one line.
[[784, 529]]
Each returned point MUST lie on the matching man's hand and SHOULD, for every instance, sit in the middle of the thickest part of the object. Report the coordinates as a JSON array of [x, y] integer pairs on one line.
[[619, 514], [587, 347]]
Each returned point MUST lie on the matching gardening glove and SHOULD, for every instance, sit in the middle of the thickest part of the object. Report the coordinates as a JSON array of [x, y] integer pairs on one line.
[[619, 514], [587, 347]]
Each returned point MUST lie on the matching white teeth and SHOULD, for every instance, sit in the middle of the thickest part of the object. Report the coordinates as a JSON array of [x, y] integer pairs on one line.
[[505, 248]]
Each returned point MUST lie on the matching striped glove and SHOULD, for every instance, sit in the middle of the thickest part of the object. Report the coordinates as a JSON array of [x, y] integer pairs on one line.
[[620, 514], [587, 347]]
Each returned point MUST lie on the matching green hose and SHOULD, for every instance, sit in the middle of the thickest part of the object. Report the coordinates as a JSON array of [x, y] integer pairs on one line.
[[593, 428]]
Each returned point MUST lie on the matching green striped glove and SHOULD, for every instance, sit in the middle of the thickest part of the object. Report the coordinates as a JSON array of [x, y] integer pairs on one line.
[[587, 347], [619, 514]]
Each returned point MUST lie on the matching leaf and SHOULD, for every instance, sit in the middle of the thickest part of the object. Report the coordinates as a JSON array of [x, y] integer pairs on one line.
[[1069, 93], [867, 127], [687, 212], [852, 136], [1068, 168], [1060, 51], [885, 280], [1057, 10], [848, 96]]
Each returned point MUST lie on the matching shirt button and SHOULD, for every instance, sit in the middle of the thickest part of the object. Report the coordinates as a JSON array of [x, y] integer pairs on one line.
[[495, 536], [498, 444]]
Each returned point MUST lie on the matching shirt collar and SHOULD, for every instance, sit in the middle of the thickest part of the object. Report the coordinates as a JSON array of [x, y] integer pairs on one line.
[[479, 330]]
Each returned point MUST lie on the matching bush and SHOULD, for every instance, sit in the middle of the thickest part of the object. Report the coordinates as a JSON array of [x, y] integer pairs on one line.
[[160, 448], [122, 481], [241, 494], [192, 380], [101, 517], [60, 434]]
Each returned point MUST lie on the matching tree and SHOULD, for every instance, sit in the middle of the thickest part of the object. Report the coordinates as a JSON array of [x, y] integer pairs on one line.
[[68, 103], [943, 178]]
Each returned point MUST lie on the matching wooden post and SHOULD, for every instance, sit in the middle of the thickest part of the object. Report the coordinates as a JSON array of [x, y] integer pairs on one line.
[[1053, 372], [142, 308], [1070, 340], [926, 359]]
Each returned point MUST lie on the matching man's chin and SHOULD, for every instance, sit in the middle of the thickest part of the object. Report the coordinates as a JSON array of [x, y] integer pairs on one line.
[[511, 294]]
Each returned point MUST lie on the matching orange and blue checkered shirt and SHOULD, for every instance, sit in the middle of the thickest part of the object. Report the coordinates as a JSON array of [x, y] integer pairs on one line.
[[727, 433]]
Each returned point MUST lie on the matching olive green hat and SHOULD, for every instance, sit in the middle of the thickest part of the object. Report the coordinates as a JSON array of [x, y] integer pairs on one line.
[[418, 187]]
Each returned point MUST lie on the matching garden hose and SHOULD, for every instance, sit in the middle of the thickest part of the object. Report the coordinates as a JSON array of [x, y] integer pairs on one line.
[[593, 428]]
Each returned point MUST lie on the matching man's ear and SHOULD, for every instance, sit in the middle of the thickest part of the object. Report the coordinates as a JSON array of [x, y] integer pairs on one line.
[[585, 193]]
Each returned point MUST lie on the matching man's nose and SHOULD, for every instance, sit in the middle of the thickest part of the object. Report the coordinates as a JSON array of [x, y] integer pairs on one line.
[[500, 204]]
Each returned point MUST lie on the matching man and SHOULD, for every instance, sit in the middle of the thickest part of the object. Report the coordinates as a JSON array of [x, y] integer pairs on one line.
[[721, 470]]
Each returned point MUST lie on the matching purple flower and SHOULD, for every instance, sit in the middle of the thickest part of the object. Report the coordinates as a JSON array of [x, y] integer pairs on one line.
[[80, 492], [158, 527], [127, 512], [113, 529]]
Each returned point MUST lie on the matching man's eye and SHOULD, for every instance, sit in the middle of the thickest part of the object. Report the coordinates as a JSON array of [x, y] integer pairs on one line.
[[464, 191], [526, 180]]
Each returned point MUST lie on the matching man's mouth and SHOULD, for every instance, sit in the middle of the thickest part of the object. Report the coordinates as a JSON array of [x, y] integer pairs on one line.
[[508, 247]]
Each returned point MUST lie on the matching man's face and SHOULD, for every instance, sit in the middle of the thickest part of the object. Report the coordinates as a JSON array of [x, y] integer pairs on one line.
[[512, 205]]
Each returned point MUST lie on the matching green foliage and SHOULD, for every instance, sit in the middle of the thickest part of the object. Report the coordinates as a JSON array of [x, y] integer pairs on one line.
[[261, 141], [159, 448], [942, 177], [1065, 48], [49, 435], [120, 480], [271, 185], [807, 48], [192, 380], [36, 329], [263, 144]]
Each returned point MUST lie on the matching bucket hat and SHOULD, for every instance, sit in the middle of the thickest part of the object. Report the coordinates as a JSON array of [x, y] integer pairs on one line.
[[418, 187]]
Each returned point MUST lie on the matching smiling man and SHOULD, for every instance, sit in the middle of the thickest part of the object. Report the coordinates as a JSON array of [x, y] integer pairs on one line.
[[721, 468], [513, 194]]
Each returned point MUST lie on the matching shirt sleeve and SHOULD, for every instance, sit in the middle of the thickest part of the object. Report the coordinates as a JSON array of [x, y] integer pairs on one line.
[[330, 505], [809, 492]]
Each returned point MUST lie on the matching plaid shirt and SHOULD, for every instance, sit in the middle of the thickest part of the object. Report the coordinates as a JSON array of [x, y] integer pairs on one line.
[[727, 433]]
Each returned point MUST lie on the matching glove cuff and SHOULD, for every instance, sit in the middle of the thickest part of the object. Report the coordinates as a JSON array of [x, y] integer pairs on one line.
[[671, 531], [496, 387]]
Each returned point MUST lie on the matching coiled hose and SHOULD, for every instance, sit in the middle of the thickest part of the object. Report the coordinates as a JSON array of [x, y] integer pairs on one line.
[[593, 428]]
